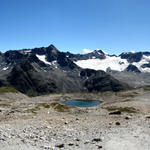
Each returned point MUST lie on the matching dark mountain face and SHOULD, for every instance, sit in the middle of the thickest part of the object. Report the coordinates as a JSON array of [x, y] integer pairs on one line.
[[98, 80], [47, 70], [132, 57], [146, 65], [13, 57], [132, 68], [26, 79], [146, 53]]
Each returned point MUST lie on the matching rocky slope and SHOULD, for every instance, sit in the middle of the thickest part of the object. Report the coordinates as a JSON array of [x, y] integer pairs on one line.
[[43, 123]]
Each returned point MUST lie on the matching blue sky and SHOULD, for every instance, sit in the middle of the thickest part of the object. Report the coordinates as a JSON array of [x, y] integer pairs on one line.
[[72, 25]]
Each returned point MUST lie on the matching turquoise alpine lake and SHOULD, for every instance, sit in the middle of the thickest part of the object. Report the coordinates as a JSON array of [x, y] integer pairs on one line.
[[82, 103]]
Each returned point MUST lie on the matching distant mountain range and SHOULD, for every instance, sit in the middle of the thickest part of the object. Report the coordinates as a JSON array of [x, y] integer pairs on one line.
[[99, 60], [47, 70]]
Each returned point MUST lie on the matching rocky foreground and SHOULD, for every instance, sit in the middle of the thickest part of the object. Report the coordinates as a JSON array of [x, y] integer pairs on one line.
[[121, 122]]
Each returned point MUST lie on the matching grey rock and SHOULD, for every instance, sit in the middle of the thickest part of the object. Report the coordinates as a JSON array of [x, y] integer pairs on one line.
[[97, 140], [59, 145], [115, 113], [117, 123]]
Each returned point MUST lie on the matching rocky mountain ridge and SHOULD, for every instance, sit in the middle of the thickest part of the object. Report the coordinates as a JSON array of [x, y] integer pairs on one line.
[[47, 70]]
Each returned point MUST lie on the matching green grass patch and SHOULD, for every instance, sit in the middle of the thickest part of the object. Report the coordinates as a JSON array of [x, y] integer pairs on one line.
[[127, 100], [38, 107], [146, 88], [129, 95], [7, 90], [122, 109], [4, 105], [59, 107], [44, 105], [55, 105], [32, 110]]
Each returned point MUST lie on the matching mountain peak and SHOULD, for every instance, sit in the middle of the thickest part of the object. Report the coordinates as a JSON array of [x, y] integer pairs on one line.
[[52, 46], [53, 49], [100, 52]]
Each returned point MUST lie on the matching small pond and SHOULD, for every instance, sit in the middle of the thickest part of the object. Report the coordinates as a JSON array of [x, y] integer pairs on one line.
[[82, 103]]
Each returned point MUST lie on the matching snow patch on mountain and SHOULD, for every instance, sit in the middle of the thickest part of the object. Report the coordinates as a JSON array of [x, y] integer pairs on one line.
[[113, 62], [5, 68], [27, 51], [43, 58]]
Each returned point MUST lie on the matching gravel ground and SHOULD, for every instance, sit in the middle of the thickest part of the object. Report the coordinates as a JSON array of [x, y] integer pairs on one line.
[[38, 124]]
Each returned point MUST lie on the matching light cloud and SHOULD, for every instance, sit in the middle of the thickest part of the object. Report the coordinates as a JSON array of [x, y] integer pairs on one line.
[[87, 50]]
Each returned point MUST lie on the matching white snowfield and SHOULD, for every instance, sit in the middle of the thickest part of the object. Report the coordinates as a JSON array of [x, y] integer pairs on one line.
[[115, 63], [112, 62], [5, 68], [43, 59]]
